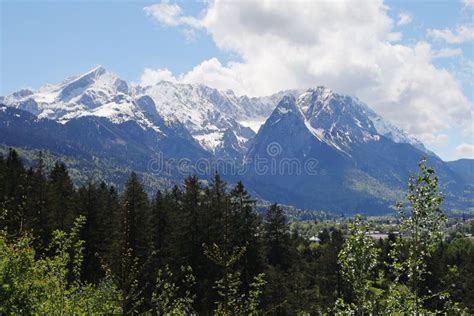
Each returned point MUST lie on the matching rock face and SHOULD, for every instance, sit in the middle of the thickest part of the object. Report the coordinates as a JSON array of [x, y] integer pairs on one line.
[[316, 149], [340, 157]]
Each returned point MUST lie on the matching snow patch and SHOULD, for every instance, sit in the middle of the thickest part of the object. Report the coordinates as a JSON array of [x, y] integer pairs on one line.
[[254, 124], [210, 141]]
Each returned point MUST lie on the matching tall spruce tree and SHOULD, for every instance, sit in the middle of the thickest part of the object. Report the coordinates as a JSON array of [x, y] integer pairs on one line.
[[277, 238], [61, 194], [246, 228], [190, 239], [14, 192], [136, 212], [109, 219], [99, 206], [133, 262], [160, 225], [216, 213], [277, 245], [37, 204]]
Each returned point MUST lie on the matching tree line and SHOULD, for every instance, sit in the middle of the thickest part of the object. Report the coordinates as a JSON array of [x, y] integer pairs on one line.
[[202, 248]]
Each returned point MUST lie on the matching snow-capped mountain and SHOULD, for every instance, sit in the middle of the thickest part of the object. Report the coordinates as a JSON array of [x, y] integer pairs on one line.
[[220, 121], [340, 120], [357, 160], [98, 92], [211, 116], [363, 161], [208, 114]]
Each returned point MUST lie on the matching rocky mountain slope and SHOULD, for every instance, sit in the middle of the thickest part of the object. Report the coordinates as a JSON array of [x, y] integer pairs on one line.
[[358, 161], [328, 151]]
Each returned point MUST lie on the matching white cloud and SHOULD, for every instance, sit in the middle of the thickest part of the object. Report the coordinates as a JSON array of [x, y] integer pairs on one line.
[[447, 52], [212, 73], [468, 3], [170, 14], [465, 151], [349, 46], [432, 139], [404, 18], [153, 76], [468, 130], [462, 34]]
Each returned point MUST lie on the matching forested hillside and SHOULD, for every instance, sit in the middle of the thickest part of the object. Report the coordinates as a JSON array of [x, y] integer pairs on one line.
[[203, 249]]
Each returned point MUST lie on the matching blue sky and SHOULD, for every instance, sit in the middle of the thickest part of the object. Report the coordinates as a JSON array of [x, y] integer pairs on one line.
[[228, 45], [45, 42]]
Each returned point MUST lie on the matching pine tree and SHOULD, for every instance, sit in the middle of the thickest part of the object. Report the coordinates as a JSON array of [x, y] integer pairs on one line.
[[217, 207], [132, 265], [278, 254], [246, 233], [215, 231], [277, 238], [190, 234], [112, 220], [225, 255], [160, 224], [37, 204], [61, 194], [99, 206], [135, 210], [14, 191]]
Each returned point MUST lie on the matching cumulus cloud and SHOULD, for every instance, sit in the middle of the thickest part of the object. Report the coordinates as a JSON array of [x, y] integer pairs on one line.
[[462, 34], [349, 46], [170, 14], [468, 130], [404, 18], [447, 52], [432, 139], [465, 151], [153, 76]]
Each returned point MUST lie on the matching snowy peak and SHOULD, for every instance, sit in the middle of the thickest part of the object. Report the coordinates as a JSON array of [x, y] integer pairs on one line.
[[288, 105], [76, 96], [338, 120], [90, 75], [92, 88], [394, 133], [207, 113], [216, 119]]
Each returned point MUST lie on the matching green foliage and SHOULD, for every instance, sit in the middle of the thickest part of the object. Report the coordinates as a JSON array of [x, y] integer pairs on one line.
[[421, 231], [166, 299], [232, 300], [50, 285], [277, 237], [124, 252], [358, 260]]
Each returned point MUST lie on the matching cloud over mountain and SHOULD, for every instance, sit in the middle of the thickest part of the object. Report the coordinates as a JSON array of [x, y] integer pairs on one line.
[[352, 47]]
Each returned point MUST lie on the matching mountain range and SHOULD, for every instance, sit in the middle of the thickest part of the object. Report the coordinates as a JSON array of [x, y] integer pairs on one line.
[[315, 148]]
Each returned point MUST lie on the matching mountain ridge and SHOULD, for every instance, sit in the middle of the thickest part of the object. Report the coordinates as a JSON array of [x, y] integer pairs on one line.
[[362, 154], [205, 111]]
